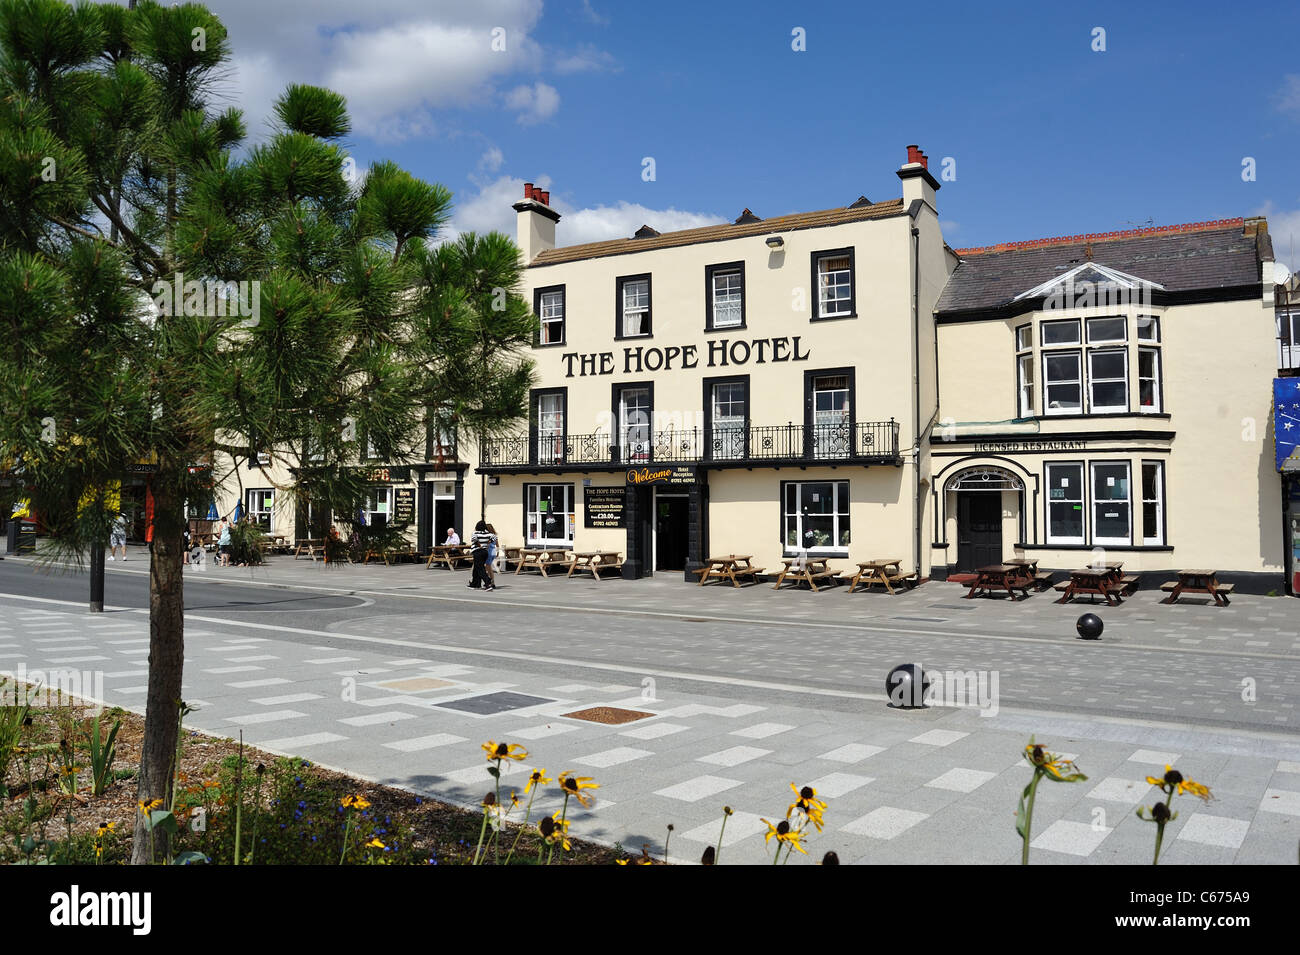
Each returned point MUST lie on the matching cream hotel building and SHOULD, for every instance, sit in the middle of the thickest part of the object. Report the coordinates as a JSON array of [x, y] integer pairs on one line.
[[842, 383]]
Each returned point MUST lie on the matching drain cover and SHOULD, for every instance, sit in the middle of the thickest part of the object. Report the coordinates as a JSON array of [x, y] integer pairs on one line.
[[609, 715], [490, 703]]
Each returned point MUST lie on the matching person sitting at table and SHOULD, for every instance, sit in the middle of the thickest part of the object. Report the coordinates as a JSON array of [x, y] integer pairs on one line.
[[452, 538]]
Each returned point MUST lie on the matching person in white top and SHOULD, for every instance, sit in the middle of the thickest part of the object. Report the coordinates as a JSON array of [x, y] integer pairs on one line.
[[452, 538]]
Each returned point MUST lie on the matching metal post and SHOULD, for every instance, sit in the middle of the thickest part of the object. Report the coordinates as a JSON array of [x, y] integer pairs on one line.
[[97, 578]]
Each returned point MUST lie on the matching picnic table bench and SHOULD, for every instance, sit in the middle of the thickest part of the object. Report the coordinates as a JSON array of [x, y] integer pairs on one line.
[[541, 558], [728, 567], [450, 555], [1007, 578], [805, 569], [595, 561], [310, 546], [1203, 582], [884, 571], [1029, 566], [1104, 581]]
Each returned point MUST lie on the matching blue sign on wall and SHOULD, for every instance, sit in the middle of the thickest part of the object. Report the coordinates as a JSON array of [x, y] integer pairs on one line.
[[1286, 422]]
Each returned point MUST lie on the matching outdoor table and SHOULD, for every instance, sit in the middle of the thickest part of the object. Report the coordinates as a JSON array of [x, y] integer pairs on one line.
[[813, 570], [449, 554], [1093, 581], [509, 555], [311, 546], [595, 561], [728, 568], [541, 558], [1006, 577], [1197, 582], [881, 571], [1029, 567]]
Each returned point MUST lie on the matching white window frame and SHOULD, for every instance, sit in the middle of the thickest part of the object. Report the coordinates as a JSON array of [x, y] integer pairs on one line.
[[534, 516], [1098, 503], [1094, 339], [1073, 343], [841, 523], [1148, 323], [1094, 380], [379, 500], [1082, 473], [830, 279], [551, 314], [1156, 405], [265, 498], [634, 421], [1048, 383], [1155, 504], [832, 434], [729, 448], [639, 313], [550, 428], [728, 300]]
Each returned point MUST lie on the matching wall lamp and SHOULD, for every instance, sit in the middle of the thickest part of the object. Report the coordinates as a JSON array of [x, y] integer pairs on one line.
[[774, 242]]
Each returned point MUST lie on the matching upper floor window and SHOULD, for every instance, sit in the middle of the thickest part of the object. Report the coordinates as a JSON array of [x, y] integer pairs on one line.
[[833, 279], [549, 306], [1086, 366], [548, 417], [1025, 371], [725, 291], [633, 306]]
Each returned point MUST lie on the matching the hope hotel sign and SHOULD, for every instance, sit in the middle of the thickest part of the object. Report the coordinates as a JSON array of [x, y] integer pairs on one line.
[[721, 353]]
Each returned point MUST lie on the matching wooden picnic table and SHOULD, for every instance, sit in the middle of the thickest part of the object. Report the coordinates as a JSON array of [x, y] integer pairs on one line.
[[1029, 567], [809, 570], [1104, 581], [540, 558], [1203, 582], [311, 546], [1000, 577], [729, 567], [450, 555], [509, 555], [885, 570], [595, 561]]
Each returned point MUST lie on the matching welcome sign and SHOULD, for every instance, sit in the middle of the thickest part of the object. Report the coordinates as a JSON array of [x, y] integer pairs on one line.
[[676, 474]]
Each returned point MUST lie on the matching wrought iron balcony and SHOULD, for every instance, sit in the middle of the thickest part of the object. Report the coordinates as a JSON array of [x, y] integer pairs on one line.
[[866, 442]]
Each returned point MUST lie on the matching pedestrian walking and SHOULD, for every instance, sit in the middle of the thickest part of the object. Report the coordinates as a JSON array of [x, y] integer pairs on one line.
[[492, 557], [479, 545], [117, 538], [223, 543]]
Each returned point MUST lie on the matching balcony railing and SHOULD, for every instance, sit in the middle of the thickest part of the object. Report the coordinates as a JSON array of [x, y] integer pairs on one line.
[[866, 442]]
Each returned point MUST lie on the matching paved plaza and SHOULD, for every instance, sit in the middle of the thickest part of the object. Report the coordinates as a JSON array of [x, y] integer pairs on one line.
[[398, 674]]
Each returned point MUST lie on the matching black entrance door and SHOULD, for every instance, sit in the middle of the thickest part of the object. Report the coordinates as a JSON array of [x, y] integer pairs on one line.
[[979, 529], [670, 533]]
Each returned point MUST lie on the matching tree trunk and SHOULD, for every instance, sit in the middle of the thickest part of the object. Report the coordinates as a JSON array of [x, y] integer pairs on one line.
[[166, 659]]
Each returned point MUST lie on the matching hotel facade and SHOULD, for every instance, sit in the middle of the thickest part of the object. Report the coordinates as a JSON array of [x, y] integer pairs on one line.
[[844, 384]]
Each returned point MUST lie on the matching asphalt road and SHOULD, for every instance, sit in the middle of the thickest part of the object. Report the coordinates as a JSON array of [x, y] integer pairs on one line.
[[1231, 684]]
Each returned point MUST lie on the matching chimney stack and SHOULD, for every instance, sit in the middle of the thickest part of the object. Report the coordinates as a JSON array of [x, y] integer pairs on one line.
[[535, 222], [917, 181]]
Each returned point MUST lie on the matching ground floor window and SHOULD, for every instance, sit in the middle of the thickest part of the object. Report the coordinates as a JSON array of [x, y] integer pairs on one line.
[[815, 515], [1111, 505], [378, 509], [1153, 502], [550, 518], [1065, 503], [259, 507]]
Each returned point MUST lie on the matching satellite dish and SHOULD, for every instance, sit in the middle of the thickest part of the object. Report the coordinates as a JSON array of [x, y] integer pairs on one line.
[[1280, 273]]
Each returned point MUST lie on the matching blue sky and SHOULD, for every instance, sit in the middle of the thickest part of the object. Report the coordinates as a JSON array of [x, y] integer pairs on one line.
[[1047, 135]]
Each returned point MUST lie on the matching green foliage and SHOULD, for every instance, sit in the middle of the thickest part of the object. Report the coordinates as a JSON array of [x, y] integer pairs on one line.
[[244, 540], [102, 753], [12, 718]]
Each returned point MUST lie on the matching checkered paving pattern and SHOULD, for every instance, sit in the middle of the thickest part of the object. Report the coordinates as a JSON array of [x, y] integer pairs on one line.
[[929, 786]]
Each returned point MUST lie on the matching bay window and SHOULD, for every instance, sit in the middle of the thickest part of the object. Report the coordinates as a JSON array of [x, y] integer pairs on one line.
[[1062, 382], [1107, 380], [1149, 379]]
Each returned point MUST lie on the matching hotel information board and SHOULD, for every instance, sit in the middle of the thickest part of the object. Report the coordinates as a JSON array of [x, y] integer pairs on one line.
[[404, 505], [603, 507]]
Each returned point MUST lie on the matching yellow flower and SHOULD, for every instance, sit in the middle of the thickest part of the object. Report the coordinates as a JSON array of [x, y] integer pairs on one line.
[[574, 786], [536, 777], [496, 750], [375, 843], [808, 804], [784, 833], [1060, 769], [1173, 778], [620, 862], [1195, 789], [354, 802], [553, 829], [146, 808], [105, 827]]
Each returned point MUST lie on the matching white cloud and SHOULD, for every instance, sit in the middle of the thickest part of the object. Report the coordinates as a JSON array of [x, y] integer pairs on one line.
[[490, 208], [491, 160], [590, 13], [534, 103], [1287, 98], [585, 59]]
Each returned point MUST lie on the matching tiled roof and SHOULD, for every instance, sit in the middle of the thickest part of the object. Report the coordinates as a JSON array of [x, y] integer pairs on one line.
[[1202, 255], [715, 233]]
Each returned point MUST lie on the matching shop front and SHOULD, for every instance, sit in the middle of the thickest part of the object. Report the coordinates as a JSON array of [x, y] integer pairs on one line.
[[1286, 439]]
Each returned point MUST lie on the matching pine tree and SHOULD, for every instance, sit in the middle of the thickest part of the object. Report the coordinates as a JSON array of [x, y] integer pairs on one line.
[[170, 301]]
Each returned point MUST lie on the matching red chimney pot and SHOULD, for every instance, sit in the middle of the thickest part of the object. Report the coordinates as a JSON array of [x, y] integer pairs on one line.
[[543, 197], [913, 154], [528, 190]]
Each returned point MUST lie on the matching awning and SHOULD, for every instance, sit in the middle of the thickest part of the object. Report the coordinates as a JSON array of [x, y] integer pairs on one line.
[[1286, 423]]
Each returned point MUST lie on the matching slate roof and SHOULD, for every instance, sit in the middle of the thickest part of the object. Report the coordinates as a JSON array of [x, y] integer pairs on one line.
[[715, 233], [1202, 255]]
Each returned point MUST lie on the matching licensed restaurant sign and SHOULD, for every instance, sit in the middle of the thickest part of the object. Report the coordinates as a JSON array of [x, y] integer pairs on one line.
[[604, 507], [661, 474]]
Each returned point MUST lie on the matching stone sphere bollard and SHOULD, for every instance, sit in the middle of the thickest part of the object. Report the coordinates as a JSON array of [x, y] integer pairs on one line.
[[907, 685], [1089, 626]]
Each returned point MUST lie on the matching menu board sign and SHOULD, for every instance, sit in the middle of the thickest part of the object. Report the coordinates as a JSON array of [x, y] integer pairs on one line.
[[604, 507]]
